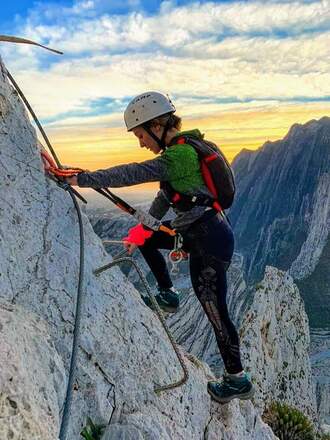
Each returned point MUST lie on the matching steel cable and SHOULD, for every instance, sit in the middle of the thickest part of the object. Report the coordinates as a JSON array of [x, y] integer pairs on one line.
[[79, 300]]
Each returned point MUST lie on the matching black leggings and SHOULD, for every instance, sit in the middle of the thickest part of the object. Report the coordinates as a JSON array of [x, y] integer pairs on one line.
[[210, 243]]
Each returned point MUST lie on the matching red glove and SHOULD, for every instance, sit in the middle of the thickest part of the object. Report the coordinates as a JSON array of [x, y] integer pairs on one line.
[[138, 235]]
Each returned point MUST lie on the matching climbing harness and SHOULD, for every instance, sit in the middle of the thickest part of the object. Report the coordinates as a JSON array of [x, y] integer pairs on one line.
[[56, 174], [177, 254], [119, 259]]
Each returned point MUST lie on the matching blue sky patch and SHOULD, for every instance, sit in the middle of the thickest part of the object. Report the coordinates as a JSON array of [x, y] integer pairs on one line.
[[116, 48]]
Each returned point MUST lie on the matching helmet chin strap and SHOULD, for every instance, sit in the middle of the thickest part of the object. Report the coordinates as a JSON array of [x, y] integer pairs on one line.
[[160, 141]]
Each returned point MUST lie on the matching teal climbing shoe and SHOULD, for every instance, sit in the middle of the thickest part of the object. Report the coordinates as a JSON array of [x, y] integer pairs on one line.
[[167, 298], [230, 387]]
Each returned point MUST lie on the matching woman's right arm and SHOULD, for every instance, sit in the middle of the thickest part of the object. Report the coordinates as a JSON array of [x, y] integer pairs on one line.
[[125, 175]]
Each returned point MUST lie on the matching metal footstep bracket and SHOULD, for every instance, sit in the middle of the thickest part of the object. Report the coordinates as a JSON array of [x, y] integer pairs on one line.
[[117, 261]]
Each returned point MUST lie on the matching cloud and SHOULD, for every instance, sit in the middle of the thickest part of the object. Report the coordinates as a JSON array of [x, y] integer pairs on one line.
[[86, 26], [75, 85], [213, 54]]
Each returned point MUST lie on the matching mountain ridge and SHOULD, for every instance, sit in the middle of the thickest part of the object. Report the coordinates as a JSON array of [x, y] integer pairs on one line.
[[280, 189]]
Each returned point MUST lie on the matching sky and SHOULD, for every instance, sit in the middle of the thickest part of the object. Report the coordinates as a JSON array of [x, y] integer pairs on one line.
[[241, 71]]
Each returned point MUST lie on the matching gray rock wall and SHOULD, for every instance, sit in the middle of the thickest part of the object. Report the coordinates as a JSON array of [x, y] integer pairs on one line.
[[275, 339], [32, 376], [123, 350]]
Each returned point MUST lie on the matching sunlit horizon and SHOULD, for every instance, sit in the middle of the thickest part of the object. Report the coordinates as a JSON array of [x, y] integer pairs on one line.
[[241, 72], [96, 148]]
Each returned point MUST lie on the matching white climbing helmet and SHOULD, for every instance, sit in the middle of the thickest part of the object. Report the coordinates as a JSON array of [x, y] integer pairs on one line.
[[145, 107]]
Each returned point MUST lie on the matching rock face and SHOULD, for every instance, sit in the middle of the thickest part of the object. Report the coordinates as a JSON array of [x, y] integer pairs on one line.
[[275, 339], [32, 376], [281, 217], [281, 213], [123, 350], [320, 361]]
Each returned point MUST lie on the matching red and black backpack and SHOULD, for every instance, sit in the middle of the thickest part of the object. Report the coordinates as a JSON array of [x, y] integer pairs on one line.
[[216, 171]]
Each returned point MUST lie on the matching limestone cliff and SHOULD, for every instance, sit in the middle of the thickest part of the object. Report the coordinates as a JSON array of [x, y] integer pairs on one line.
[[123, 350], [32, 376], [281, 213], [274, 337]]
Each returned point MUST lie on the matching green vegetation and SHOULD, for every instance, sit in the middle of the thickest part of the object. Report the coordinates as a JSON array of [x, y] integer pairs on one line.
[[288, 422], [91, 431]]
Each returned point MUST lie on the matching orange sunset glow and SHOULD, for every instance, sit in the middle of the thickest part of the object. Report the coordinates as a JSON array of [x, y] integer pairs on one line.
[[94, 148]]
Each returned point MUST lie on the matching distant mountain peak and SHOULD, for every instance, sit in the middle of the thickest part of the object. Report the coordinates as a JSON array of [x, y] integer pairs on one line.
[[281, 209], [296, 129]]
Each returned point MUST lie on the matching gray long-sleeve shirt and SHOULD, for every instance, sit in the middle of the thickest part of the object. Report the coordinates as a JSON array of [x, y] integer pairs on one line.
[[148, 171]]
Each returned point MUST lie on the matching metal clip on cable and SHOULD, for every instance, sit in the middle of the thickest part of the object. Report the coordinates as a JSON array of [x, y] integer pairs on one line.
[[175, 256]]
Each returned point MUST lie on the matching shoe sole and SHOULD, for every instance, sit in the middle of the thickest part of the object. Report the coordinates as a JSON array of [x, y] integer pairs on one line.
[[245, 396]]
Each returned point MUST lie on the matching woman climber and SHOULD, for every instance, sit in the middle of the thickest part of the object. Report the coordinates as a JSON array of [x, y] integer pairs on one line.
[[207, 235]]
